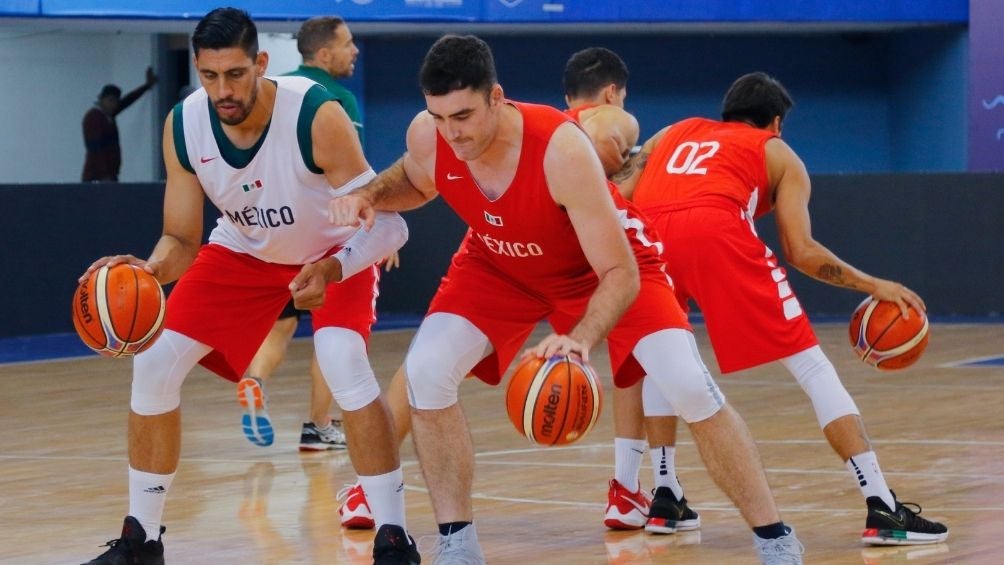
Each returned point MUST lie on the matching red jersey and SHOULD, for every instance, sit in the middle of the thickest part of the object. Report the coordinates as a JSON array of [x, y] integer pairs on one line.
[[524, 233], [700, 160]]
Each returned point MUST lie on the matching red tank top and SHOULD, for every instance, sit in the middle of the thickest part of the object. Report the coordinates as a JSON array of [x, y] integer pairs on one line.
[[700, 161], [524, 234]]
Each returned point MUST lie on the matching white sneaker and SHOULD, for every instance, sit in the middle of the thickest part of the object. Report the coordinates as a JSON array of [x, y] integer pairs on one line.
[[313, 438], [785, 550], [459, 548]]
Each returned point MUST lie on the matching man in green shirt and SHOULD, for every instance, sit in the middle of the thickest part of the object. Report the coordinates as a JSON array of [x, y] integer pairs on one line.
[[329, 53]]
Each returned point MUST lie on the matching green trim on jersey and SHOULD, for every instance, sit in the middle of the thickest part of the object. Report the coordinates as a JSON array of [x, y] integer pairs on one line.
[[312, 100], [178, 128], [234, 156], [338, 92]]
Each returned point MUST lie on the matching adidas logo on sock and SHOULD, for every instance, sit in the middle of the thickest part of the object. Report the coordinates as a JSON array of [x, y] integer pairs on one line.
[[156, 490]]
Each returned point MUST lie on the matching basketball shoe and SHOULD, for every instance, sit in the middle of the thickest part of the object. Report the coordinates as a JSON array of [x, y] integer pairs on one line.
[[255, 421], [329, 437], [626, 510], [132, 548], [459, 548], [785, 550], [355, 510], [392, 546], [902, 527], [669, 515]]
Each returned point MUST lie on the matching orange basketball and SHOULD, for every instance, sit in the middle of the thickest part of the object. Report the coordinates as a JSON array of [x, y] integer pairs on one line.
[[554, 401], [119, 311], [881, 336]]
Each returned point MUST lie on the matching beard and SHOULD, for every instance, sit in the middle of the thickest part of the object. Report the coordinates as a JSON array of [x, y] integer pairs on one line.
[[244, 109]]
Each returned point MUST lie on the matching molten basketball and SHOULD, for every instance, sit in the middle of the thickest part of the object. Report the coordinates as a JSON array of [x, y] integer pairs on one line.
[[554, 401], [119, 311], [881, 336]]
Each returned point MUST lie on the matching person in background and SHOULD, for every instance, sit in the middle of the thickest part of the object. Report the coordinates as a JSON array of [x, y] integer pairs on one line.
[[103, 158], [595, 83], [329, 53]]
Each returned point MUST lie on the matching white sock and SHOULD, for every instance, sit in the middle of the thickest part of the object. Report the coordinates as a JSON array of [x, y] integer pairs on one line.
[[147, 494], [865, 468], [664, 469], [385, 494], [627, 461]]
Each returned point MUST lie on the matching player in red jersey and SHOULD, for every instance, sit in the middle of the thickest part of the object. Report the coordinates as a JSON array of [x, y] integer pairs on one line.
[[703, 183], [547, 241], [595, 82]]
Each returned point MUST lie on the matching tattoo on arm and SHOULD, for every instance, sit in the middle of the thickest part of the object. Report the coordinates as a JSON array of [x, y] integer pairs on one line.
[[636, 163], [833, 274]]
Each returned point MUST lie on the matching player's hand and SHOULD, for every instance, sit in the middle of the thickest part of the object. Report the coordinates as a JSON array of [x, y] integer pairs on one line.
[[351, 210], [112, 260], [892, 291], [555, 344], [391, 262], [309, 285]]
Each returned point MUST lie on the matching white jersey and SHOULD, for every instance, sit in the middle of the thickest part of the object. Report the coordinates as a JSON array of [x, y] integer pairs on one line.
[[273, 198]]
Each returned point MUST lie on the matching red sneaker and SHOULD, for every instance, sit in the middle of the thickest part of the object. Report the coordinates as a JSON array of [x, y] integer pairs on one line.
[[626, 510], [355, 510]]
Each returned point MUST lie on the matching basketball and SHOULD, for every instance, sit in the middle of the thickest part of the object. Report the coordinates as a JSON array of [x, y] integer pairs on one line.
[[554, 401], [882, 338], [119, 311]]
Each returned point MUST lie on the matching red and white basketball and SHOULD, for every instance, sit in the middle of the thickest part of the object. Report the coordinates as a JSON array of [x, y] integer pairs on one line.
[[554, 401], [119, 311], [882, 338]]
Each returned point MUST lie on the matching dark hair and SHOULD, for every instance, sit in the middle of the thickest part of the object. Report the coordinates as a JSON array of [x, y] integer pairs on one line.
[[590, 70], [226, 27], [315, 33], [110, 90], [756, 98], [457, 62]]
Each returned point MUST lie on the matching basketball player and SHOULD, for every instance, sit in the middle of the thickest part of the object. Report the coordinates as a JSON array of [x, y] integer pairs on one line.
[[567, 262], [703, 182], [595, 82], [269, 153]]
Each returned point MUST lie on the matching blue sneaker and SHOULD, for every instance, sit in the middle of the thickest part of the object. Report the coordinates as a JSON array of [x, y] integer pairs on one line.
[[255, 421]]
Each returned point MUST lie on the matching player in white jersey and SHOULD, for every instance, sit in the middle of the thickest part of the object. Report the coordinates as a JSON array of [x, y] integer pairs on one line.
[[267, 152]]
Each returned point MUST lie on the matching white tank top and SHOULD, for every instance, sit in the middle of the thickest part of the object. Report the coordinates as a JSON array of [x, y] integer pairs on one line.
[[273, 198]]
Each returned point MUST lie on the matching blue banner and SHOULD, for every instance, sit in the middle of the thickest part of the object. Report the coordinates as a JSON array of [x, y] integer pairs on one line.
[[525, 11], [20, 8], [352, 10]]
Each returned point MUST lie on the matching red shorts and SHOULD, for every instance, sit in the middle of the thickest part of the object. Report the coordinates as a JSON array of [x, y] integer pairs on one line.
[[507, 312], [229, 301], [715, 257]]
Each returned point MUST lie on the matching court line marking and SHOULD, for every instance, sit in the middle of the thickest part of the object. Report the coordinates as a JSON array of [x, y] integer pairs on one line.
[[967, 363]]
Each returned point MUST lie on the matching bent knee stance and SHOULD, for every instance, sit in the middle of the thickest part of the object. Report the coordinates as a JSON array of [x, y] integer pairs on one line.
[[444, 351], [817, 377], [673, 364], [158, 372], [341, 355]]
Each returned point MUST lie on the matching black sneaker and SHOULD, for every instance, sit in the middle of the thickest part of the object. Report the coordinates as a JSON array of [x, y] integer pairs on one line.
[[132, 548], [902, 527], [394, 547], [313, 438], [669, 515]]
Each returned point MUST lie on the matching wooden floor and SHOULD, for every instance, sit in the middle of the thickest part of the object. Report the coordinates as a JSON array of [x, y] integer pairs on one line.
[[938, 432]]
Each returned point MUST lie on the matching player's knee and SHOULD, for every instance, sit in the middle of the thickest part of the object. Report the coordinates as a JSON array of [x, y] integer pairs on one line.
[[341, 354], [431, 385], [818, 378], [159, 372], [654, 402], [673, 365]]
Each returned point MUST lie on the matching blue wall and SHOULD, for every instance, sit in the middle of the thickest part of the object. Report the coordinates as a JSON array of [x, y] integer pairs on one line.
[[865, 102]]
